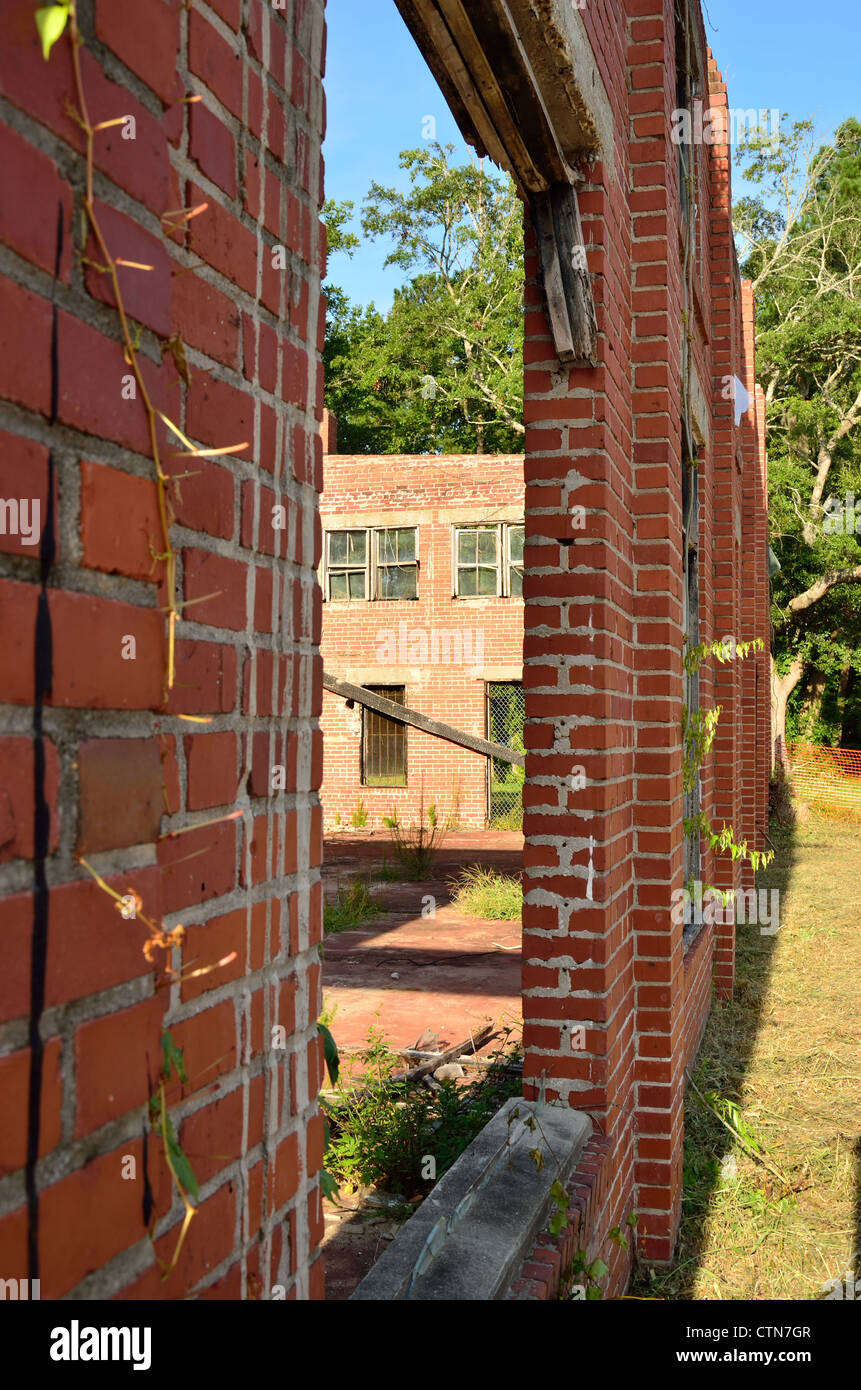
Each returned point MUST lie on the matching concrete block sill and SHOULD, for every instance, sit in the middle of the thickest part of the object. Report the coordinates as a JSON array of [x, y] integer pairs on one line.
[[469, 1237]]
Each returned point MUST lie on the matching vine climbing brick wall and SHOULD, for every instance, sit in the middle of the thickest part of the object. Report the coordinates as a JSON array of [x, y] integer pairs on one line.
[[97, 760], [615, 993]]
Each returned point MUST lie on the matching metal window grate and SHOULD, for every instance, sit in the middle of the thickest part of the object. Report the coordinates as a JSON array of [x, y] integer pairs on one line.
[[506, 711], [384, 743]]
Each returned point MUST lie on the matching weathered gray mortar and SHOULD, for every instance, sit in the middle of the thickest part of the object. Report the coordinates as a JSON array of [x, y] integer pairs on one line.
[[68, 727]]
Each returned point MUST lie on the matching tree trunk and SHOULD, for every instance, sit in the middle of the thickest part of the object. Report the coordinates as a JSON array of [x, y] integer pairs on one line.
[[844, 689], [813, 704], [781, 689]]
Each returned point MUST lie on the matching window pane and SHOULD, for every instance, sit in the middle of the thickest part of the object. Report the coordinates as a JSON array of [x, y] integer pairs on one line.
[[338, 547], [487, 546], [487, 581], [387, 547], [406, 544], [357, 584], [467, 583], [467, 542], [515, 541], [337, 585], [398, 581], [516, 583], [358, 546], [384, 751]]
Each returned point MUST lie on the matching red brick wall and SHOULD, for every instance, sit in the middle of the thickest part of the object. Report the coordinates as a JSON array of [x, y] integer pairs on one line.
[[435, 494], [126, 767], [604, 630], [120, 767]]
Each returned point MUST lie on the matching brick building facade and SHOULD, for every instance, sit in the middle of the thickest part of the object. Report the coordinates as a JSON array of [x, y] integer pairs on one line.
[[438, 651], [627, 367]]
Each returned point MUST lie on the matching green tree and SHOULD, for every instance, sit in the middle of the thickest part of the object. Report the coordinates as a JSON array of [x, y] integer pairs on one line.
[[801, 244], [442, 372]]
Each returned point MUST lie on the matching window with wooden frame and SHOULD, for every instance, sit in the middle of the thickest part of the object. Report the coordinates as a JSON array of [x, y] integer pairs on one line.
[[688, 98], [396, 563], [487, 560], [371, 562], [691, 619], [346, 556], [384, 742], [684, 102]]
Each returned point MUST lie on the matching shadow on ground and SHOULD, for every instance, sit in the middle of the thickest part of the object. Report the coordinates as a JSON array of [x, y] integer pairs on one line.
[[421, 963]]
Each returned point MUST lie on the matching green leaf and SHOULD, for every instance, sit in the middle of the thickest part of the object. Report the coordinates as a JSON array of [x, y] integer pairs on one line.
[[172, 1056], [51, 21], [328, 1186], [597, 1269], [537, 1157], [330, 1053], [593, 1294], [559, 1195], [181, 1166], [558, 1222]]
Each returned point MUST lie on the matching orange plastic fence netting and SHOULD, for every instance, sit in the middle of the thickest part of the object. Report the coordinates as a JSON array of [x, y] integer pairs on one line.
[[829, 777]]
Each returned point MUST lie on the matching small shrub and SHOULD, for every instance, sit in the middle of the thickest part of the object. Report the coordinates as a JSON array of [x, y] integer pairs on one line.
[[383, 1133], [353, 906], [482, 892], [359, 817], [415, 847]]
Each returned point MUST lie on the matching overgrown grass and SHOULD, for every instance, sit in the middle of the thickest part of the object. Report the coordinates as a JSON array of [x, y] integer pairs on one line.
[[415, 846], [384, 873], [384, 1132], [780, 1222], [482, 892], [353, 906]]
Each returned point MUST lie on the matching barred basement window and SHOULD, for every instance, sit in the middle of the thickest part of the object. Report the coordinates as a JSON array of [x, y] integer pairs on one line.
[[488, 561], [384, 743]]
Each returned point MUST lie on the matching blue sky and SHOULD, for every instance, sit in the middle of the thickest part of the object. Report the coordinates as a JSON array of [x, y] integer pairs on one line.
[[799, 57]]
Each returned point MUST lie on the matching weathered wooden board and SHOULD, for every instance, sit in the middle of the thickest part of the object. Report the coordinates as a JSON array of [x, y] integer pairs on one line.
[[402, 715]]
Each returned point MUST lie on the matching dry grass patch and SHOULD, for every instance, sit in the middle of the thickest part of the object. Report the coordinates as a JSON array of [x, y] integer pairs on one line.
[[787, 1053]]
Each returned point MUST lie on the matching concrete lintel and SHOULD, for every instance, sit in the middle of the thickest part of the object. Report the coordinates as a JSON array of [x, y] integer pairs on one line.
[[482, 1250]]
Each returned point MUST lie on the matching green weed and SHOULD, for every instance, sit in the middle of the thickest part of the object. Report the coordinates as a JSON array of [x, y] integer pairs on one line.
[[482, 892], [353, 906]]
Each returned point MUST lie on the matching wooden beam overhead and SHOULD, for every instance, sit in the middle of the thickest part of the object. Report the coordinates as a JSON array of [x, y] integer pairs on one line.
[[518, 158], [483, 67]]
